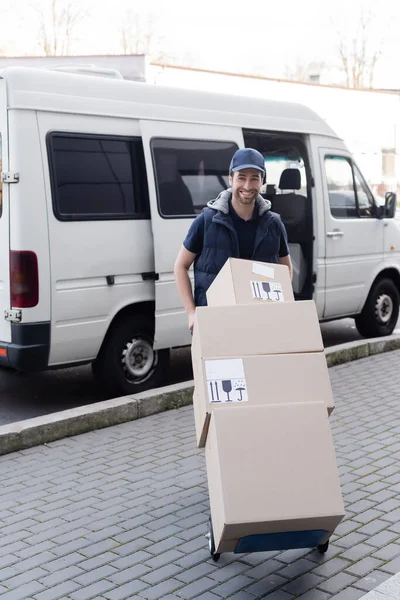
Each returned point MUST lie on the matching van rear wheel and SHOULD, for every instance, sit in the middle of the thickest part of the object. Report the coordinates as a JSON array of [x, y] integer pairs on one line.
[[127, 362], [381, 310]]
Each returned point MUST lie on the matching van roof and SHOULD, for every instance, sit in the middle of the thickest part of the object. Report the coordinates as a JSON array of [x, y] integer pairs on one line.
[[58, 91]]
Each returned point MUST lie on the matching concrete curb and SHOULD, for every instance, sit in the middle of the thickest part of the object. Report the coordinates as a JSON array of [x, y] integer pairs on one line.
[[344, 353], [66, 423], [48, 428]]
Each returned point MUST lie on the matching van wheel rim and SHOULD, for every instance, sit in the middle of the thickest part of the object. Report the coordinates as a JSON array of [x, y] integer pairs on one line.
[[383, 308], [137, 358]]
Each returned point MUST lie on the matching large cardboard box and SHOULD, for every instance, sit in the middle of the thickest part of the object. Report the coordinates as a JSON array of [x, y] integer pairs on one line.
[[272, 470], [239, 382], [269, 328], [248, 282], [239, 331]]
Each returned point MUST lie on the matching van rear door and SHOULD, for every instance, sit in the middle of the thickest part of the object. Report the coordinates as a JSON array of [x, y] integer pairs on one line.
[[187, 165], [5, 326]]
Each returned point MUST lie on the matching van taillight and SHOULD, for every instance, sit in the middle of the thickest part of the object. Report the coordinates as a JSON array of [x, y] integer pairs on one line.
[[24, 279]]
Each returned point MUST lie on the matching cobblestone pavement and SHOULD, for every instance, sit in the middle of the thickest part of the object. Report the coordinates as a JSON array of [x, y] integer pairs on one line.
[[122, 512]]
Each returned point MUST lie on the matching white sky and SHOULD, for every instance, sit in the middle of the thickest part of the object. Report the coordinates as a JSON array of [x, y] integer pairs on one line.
[[261, 36]]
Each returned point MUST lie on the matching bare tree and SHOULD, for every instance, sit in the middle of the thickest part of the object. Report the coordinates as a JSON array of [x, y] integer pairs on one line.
[[139, 35], [56, 26], [358, 56]]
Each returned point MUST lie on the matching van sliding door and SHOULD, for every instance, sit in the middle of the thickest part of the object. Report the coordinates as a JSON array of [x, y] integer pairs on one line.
[[187, 165]]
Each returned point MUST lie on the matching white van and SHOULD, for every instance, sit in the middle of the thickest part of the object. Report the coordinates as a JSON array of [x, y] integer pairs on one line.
[[101, 178]]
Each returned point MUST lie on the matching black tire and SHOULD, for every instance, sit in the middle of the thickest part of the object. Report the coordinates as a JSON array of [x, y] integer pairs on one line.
[[381, 310], [211, 544], [127, 363], [322, 548]]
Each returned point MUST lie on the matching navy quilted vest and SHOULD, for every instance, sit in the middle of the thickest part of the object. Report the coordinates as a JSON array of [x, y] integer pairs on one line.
[[220, 242]]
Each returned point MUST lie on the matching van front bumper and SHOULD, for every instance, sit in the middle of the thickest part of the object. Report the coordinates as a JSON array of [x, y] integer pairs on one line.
[[29, 348]]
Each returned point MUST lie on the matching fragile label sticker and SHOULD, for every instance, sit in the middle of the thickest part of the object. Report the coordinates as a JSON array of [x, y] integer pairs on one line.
[[226, 381], [265, 290], [264, 270]]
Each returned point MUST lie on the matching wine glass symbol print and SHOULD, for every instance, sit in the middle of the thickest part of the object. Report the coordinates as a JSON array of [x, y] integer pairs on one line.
[[227, 388], [267, 288]]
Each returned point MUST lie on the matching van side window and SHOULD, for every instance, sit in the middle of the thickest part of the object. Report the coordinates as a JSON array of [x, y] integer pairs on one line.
[[189, 173], [349, 196], [97, 177]]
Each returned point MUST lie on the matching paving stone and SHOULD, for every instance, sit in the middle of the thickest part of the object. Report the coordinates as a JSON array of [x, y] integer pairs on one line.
[[266, 568], [357, 552], [364, 566], [388, 552], [58, 591], [393, 566], [303, 584], [22, 592], [235, 584], [372, 580], [289, 556], [338, 582], [211, 596], [382, 539], [60, 576], [266, 585], [350, 540], [21, 578], [243, 595], [297, 568], [314, 595], [125, 591], [346, 527], [394, 527], [195, 588], [349, 593], [368, 515], [196, 572], [389, 505], [194, 558], [331, 567]]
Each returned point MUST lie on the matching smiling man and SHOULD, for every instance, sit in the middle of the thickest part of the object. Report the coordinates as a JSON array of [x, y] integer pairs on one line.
[[239, 224]]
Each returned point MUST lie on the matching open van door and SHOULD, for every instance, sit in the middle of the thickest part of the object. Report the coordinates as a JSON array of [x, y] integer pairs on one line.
[[187, 165], [5, 325]]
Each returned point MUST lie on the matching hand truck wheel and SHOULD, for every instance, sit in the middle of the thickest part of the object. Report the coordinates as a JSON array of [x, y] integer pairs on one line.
[[211, 543], [322, 548]]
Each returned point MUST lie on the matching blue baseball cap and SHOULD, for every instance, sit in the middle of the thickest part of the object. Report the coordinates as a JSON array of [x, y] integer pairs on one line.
[[247, 158]]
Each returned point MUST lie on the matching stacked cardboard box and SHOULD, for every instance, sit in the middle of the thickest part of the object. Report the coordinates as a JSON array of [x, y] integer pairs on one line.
[[261, 404]]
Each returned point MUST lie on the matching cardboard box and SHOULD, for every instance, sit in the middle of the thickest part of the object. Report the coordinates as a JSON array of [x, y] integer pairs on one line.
[[272, 470], [269, 328], [238, 382], [249, 282]]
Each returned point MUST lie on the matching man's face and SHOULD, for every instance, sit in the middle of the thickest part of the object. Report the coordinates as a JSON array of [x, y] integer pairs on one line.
[[246, 185]]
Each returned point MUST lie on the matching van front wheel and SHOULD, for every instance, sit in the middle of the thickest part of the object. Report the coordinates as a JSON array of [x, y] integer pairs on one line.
[[381, 310], [127, 362]]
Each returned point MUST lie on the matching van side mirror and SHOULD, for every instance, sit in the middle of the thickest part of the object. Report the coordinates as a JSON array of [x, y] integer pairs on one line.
[[390, 204]]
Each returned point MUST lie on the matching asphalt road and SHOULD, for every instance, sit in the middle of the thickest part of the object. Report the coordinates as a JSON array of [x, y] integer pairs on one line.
[[25, 396]]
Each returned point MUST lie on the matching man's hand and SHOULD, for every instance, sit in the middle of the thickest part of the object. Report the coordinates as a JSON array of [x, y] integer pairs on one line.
[[285, 260], [183, 263], [191, 320]]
